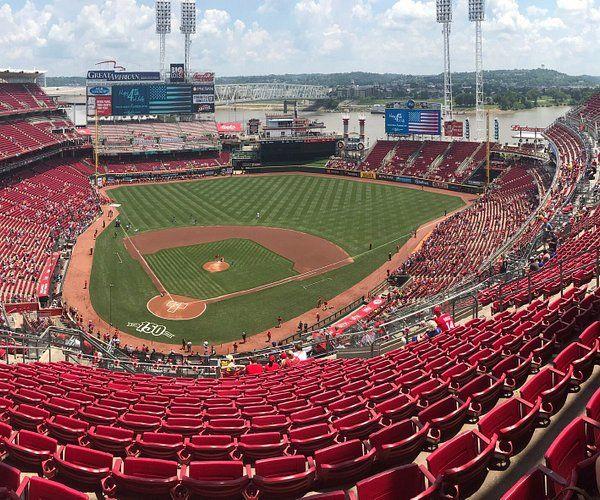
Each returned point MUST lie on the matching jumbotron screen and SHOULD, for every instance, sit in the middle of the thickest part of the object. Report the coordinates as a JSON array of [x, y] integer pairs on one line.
[[139, 97]]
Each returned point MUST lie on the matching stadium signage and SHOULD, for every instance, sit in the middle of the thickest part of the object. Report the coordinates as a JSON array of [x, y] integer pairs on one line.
[[413, 121], [153, 329], [177, 72], [100, 90], [207, 77], [124, 76]]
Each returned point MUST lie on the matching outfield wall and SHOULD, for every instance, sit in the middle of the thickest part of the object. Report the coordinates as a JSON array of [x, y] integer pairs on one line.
[[402, 179]]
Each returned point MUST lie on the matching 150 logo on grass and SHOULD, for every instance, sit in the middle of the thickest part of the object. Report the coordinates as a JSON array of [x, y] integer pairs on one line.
[[151, 329]]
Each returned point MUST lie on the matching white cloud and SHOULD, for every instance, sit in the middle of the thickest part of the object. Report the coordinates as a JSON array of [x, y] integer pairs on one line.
[[275, 36]]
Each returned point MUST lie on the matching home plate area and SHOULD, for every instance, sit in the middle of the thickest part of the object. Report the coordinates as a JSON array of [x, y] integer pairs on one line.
[[175, 307]]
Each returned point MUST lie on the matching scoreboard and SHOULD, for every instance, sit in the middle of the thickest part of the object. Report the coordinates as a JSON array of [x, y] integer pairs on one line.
[[111, 97]]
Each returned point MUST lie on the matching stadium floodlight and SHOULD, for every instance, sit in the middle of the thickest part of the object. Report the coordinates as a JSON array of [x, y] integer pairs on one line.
[[188, 27], [444, 16], [477, 15], [163, 27], [444, 11]]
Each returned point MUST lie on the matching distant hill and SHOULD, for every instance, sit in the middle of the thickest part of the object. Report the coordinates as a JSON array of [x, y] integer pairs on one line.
[[515, 77], [521, 78]]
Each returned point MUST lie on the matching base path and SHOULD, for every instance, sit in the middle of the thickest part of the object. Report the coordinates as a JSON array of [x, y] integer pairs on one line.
[[309, 253], [76, 290]]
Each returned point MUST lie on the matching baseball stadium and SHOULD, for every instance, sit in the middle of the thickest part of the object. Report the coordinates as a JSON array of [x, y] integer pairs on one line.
[[274, 308]]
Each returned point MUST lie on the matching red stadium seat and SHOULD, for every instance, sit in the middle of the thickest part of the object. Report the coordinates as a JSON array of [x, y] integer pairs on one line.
[[430, 391], [213, 479], [397, 408], [182, 425], [97, 415], [30, 447], [551, 386], [539, 483], [357, 425], [484, 391], [10, 477], [234, 427], [306, 440], [66, 429], [446, 416], [37, 488], [270, 423], [513, 422], [310, 416], [157, 445], [402, 483], [580, 358], [252, 447], [113, 440], [343, 463], [139, 423], [24, 416], [136, 477], [284, 477], [401, 442], [592, 409], [461, 464], [207, 447], [569, 452], [81, 466], [516, 369]]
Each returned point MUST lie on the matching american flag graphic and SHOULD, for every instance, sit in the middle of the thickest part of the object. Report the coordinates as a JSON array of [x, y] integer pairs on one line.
[[424, 122], [169, 99]]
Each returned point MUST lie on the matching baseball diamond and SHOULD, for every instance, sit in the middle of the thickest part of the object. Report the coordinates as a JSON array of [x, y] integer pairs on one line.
[[336, 230]]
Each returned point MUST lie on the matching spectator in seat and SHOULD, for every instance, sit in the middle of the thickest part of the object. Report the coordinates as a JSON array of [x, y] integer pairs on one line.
[[443, 320], [299, 353], [272, 365], [254, 368]]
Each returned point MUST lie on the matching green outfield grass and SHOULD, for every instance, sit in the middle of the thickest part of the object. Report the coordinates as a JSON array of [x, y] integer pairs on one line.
[[350, 213], [180, 269]]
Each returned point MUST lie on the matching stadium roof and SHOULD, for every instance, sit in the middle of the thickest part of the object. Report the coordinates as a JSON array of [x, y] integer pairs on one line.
[[8, 74]]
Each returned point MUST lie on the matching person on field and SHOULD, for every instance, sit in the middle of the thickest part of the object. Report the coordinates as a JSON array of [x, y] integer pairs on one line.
[[443, 320]]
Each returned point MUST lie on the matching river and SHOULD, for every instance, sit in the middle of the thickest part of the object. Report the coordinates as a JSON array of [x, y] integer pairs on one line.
[[375, 124]]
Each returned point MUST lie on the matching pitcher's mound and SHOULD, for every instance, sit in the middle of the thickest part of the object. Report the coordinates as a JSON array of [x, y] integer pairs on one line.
[[215, 266], [176, 307]]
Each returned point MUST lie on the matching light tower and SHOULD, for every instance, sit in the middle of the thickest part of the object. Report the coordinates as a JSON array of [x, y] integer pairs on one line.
[[188, 27], [477, 16], [444, 17], [163, 27]]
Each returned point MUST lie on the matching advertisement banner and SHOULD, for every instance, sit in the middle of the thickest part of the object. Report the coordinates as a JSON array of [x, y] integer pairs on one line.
[[128, 100], [123, 76], [361, 314], [177, 73], [99, 90], [204, 108], [104, 105], [230, 127], [45, 280], [453, 128], [413, 121], [368, 174], [207, 77]]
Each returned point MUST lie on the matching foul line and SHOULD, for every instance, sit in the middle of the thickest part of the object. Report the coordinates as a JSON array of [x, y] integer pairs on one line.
[[147, 265], [289, 279]]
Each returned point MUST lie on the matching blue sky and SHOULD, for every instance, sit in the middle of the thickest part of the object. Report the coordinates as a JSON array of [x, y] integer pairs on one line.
[[234, 37]]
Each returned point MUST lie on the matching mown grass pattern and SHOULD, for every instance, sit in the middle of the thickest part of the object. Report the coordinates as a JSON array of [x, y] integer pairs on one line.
[[180, 269], [349, 213]]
